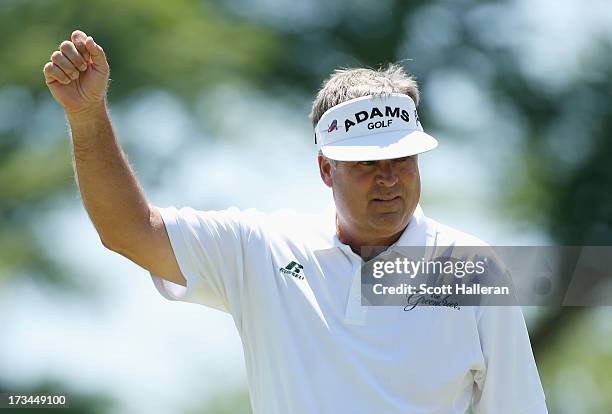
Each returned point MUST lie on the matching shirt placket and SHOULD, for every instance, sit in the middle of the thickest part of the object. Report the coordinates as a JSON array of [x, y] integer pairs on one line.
[[355, 313]]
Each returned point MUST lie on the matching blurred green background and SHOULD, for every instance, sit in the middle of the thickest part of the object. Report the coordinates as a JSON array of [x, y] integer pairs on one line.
[[210, 102]]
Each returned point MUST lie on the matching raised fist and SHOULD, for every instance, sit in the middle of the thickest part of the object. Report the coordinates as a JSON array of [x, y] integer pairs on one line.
[[77, 74]]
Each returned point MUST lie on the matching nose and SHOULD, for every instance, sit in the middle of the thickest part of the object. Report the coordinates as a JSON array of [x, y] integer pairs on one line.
[[386, 175]]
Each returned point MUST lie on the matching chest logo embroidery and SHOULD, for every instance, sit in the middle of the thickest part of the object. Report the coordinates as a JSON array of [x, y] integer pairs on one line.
[[294, 269]]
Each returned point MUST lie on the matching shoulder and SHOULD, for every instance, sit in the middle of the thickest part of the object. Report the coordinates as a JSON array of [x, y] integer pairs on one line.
[[311, 231], [449, 236], [284, 221], [281, 227], [229, 217]]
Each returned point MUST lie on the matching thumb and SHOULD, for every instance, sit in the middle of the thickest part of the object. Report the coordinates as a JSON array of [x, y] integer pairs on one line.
[[96, 52]]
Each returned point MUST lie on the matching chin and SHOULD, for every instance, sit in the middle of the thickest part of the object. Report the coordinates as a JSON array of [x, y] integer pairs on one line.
[[389, 224]]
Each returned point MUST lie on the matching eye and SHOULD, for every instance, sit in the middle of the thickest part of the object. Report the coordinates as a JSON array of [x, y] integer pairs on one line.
[[403, 159], [367, 163]]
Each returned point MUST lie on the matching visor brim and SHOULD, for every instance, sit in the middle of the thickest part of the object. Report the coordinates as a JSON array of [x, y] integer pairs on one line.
[[383, 146]]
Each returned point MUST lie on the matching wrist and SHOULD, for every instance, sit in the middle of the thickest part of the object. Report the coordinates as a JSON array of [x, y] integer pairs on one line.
[[87, 112]]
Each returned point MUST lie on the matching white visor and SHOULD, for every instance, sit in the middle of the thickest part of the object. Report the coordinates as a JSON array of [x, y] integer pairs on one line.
[[372, 128]]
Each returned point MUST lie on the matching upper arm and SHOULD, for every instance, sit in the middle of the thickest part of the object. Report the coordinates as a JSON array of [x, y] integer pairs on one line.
[[151, 249], [204, 251]]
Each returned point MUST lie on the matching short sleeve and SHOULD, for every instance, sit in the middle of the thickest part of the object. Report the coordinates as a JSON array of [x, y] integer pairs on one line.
[[209, 248], [508, 381]]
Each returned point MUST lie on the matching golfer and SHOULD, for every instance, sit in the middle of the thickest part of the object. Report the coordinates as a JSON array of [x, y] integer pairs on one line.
[[292, 283]]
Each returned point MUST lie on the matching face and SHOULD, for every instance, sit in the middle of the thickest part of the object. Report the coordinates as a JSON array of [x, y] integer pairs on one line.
[[374, 199]]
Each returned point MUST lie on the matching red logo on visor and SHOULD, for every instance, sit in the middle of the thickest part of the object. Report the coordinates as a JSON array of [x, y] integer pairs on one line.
[[333, 126]]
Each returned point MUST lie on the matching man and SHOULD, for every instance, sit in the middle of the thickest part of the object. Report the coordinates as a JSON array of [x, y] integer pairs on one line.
[[293, 284]]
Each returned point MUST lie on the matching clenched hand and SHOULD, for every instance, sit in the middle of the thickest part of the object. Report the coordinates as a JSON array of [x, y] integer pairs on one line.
[[77, 74]]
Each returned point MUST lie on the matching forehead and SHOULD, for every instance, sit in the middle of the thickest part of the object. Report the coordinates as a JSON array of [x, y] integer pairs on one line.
[[390, 160]]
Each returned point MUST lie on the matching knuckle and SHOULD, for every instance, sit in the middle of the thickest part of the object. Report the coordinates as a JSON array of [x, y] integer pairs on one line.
[[65, 45], [56, 56]]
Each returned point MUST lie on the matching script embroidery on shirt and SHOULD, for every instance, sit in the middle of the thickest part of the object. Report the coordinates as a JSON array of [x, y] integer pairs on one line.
[[414, 300]]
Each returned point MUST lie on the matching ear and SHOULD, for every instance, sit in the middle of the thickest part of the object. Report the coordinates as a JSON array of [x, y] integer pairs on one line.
[[325, 169]]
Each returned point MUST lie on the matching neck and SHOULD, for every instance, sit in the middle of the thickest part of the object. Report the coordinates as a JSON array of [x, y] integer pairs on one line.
[[366, 247]]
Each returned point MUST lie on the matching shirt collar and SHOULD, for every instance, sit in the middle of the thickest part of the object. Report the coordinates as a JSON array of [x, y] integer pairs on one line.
[[418, 232]]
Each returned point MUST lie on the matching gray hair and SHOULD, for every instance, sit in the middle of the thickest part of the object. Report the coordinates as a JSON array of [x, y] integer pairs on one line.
[[347, 84], [331, 162]]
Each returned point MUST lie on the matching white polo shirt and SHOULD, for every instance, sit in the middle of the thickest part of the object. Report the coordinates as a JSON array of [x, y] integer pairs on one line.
[[294, 292]]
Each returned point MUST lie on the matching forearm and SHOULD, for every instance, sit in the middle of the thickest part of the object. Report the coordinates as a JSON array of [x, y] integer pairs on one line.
[[111, 194]]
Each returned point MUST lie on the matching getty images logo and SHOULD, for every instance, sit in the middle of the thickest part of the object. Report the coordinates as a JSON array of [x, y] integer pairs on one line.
[[294, 269]]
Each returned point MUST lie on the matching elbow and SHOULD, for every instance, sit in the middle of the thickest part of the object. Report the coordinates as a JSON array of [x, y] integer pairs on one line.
[[105, 243], [108, 244], [114, 247]]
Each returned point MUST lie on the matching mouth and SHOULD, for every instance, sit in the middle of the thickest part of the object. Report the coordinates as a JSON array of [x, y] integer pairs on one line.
[[390, 200]]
